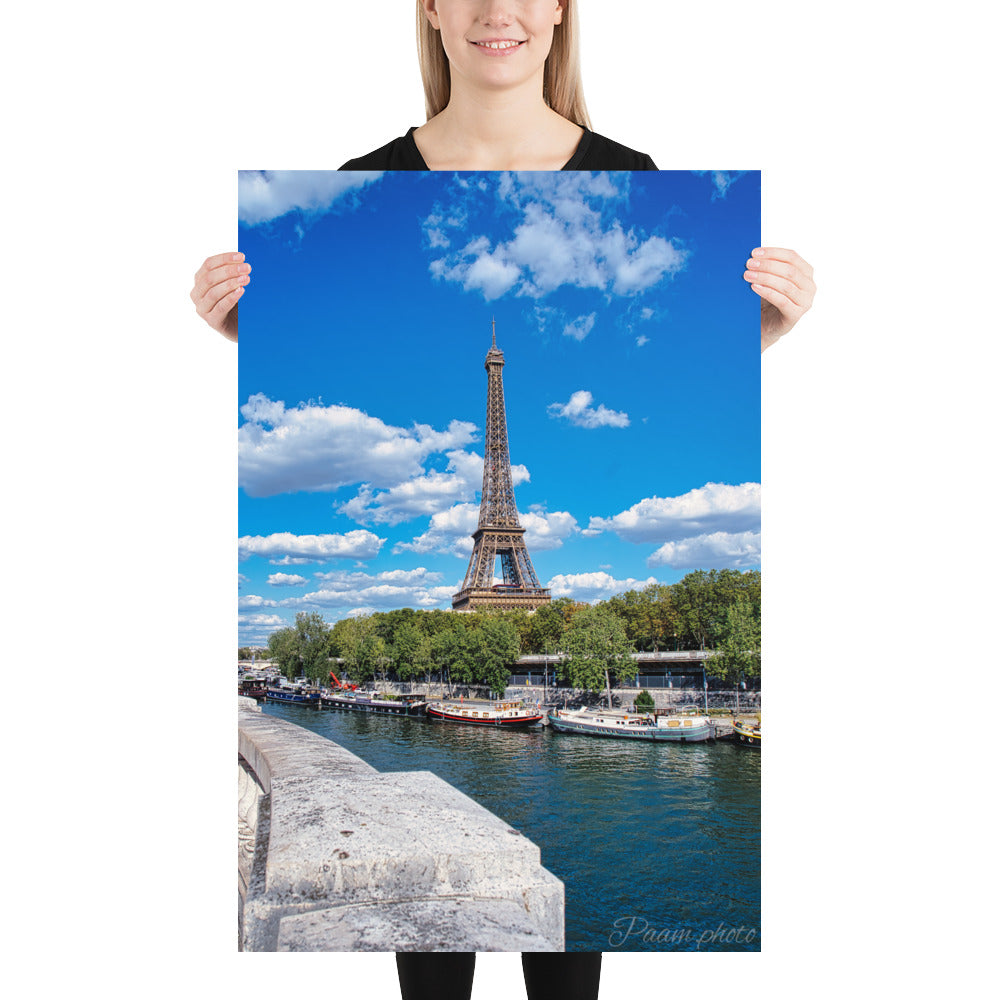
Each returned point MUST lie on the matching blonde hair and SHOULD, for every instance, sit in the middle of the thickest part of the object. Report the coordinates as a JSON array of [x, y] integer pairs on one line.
[[562, 89]]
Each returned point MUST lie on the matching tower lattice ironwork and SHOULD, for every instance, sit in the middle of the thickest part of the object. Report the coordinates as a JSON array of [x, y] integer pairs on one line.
[[499, 533]]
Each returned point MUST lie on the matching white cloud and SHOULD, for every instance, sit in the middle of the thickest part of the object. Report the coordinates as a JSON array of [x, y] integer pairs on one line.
[[714, 507], [437, 225], [719, 550], [424, 496], [345, 579], [450, 531], [319, 448], [722, 180], [254, 629], [641, 340], [580, 412], [268, 194], [420, 497], [286, 580], [261, 620], [593, 586], [374, 596], [255, 601], [580, 327], [547, 529], [564, 233], [546, 317], [285, 549]]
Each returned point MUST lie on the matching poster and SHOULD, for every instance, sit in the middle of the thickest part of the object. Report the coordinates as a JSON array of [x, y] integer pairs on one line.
[[631, 409]]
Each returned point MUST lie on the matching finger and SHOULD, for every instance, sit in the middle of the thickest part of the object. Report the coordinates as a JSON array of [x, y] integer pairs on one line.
[[779, 300], [209, 302], [232, 257], [210, 263], [216, 316], [216, 276], [787, 288], [806, 287], [787, 256], [763, 265]]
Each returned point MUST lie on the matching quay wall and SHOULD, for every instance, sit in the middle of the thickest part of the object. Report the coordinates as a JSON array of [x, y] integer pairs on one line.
[[337, 856]]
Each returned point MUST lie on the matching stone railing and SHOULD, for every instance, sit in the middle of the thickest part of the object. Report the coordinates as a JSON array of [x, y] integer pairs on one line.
[[336, 856]]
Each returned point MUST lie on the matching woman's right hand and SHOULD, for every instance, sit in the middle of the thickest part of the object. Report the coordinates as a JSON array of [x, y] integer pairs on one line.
[[218, 285]]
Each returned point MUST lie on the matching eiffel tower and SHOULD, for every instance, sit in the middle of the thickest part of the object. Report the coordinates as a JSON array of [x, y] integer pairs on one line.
[[499, 532]]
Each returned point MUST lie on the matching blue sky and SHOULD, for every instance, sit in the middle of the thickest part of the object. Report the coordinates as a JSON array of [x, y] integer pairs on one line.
[[632, 381]]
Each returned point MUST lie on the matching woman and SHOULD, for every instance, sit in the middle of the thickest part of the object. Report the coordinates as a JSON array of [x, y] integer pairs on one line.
[[503, 92]]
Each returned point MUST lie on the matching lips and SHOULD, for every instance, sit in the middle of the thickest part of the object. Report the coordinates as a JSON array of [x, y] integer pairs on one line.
[[499, 44]]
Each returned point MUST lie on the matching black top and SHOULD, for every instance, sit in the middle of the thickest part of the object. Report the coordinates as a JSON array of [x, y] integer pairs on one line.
[[595, 152]]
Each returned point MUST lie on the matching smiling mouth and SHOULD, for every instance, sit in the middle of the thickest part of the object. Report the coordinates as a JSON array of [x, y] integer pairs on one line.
[[499, 44]]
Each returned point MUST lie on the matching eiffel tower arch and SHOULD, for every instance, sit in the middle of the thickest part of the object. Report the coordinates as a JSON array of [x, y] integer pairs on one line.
[[499, 534]]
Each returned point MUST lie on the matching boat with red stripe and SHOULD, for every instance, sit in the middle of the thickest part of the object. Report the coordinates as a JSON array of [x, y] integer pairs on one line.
[[505, 714]]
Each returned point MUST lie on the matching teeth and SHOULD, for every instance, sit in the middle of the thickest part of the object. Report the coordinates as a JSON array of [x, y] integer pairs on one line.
[[498, 45]]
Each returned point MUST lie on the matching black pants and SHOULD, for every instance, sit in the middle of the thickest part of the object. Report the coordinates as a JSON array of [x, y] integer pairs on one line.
[[548, 975]]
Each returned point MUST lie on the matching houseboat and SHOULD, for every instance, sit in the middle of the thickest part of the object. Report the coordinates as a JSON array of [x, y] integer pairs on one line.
[[252, 686], [372, 701], [506, 714], [633, 726], [289, 694]]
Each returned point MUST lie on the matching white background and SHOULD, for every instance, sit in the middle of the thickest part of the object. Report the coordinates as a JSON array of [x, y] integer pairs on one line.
[[124, 126]]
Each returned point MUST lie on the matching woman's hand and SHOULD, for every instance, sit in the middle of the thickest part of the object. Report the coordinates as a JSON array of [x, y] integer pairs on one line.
[[218, 285], [784, 282]]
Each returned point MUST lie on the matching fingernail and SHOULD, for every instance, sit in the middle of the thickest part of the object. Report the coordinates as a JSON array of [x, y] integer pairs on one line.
[[753, 263], [759, 252], [237, 257]]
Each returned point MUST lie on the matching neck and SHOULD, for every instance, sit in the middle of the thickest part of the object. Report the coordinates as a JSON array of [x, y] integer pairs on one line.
[[483, 129], [496, 116]]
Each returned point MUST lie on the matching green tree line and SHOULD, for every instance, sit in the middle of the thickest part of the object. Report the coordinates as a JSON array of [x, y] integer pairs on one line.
[[707, 610]]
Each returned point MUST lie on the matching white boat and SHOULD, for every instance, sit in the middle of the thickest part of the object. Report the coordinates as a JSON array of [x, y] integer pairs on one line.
[[633, 725]]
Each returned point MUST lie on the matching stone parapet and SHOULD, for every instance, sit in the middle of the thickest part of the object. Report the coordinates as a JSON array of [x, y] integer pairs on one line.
[[346, 858]]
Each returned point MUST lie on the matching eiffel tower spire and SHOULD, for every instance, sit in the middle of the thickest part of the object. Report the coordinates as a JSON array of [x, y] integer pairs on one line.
[[499, 533]]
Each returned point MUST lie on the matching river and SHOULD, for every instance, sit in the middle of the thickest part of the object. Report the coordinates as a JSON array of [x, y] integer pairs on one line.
[[658, 845]]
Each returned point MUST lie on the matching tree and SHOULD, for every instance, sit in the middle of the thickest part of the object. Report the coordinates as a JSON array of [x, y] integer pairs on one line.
[[692, 599], [493, 647], [738, 649], [350, 635], [644, 701], [449, 653], [410, 652], [388, 623], [598, 646], [313, 635], [283, 649], [629, 607], [372, 659]]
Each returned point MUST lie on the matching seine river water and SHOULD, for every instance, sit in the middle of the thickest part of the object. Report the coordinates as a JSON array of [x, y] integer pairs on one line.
[[658, 845]]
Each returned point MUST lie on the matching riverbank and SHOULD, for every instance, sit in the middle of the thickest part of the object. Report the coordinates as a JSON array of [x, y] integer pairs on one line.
[[584, 802]]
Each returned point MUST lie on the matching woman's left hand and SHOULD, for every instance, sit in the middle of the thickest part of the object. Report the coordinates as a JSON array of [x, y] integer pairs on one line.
[[784, 282]]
